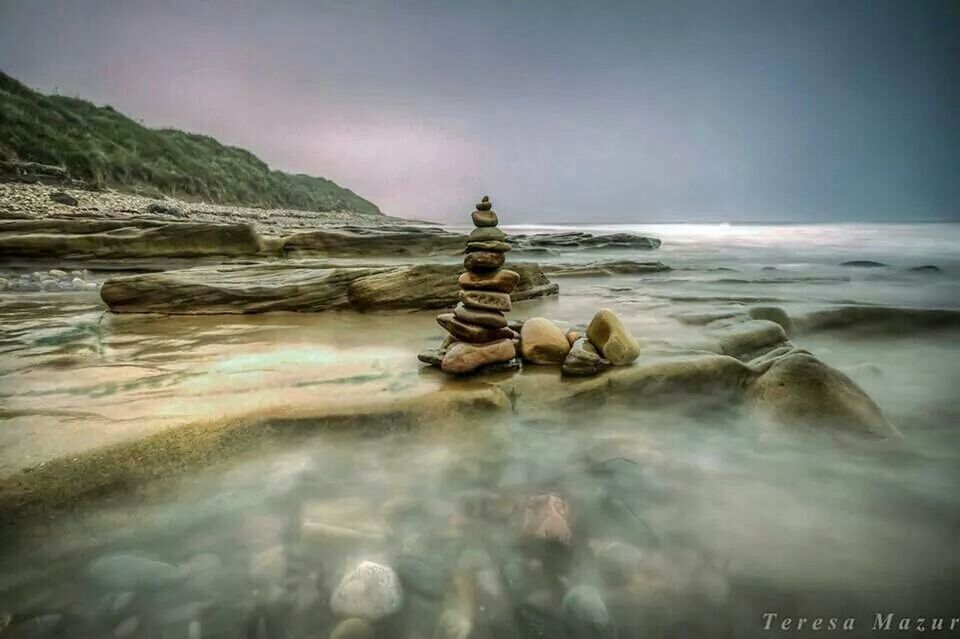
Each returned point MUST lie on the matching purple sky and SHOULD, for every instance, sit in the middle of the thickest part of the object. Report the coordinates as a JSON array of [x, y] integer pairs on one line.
[[561, 111]]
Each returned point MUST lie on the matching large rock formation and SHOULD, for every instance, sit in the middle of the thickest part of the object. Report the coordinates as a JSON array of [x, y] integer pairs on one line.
[[305, 286], [101, 239], [798, 390], [373, 242], [158, 237], [582, 240]]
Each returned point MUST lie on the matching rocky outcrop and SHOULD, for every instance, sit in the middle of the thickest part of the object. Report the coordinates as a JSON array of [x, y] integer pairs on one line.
[[606, 268], [374, 242], [102, 239], [881, 319], [582, 240], [798, 390], [303, 286], [435, 286], [739, 337]]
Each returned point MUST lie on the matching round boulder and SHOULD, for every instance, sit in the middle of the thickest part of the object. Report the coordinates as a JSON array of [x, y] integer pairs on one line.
[[543, 342], [800, 390], [370, 591], [612, 339], [586, 615]]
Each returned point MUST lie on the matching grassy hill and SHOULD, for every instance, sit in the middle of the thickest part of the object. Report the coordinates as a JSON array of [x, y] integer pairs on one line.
[[104, 148]]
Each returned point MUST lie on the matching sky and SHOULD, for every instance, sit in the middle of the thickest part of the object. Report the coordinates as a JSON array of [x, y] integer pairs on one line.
[[592, 111]]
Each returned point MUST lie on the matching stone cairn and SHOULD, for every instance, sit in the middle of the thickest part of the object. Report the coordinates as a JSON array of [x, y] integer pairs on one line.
[[479, 336]]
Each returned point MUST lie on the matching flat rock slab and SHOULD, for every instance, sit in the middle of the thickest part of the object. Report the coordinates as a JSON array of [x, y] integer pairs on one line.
[[606, 268], [99, 239], [300, 286], [374, 242], [582, 240]]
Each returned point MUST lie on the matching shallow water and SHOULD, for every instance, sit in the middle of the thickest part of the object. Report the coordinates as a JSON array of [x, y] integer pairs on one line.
[[686, 518]]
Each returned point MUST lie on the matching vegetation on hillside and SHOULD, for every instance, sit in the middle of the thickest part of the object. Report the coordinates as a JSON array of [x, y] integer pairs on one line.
[[104, 148]]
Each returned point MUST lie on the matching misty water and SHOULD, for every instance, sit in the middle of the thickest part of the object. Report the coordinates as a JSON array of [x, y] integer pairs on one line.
[[687, 519]]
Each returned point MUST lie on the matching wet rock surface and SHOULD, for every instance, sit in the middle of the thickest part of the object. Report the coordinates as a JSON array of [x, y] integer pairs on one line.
[[581, 240], [299, 286], [801, 391]]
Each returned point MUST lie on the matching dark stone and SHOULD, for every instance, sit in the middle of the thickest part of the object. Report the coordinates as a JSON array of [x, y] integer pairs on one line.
[[486, 234], [864, 264], [583, 359], [536, 623], [483, 218], [470, 332], [483, 261], [926, 268], [63, 198], [500, 367], [162, 208], [586, 614], [579, 239], [492, 245], [486, 300], [424, 577], [432, 356], [490, 319], [627, 522]]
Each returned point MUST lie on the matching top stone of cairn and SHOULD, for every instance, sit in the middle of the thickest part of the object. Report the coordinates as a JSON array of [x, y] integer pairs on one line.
[[484, 215]]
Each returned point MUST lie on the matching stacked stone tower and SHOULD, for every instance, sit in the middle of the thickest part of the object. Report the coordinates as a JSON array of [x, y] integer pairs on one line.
[[477, 326]]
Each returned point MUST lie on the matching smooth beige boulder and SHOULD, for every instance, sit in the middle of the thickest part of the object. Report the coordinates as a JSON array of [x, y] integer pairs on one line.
[[463, 358], [798, 390], [543, 342], [612, 339]]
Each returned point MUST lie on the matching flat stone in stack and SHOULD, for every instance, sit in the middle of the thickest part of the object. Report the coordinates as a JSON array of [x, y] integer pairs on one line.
[[478, 326]]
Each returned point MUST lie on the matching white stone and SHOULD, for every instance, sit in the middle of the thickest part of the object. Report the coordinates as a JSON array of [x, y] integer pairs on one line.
[[370, 591]]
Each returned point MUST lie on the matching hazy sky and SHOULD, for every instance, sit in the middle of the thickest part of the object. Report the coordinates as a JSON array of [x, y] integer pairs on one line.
[[563, 111]]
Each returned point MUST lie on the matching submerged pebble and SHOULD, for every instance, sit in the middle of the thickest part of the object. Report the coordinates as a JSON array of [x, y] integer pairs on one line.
[[369, 591]]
